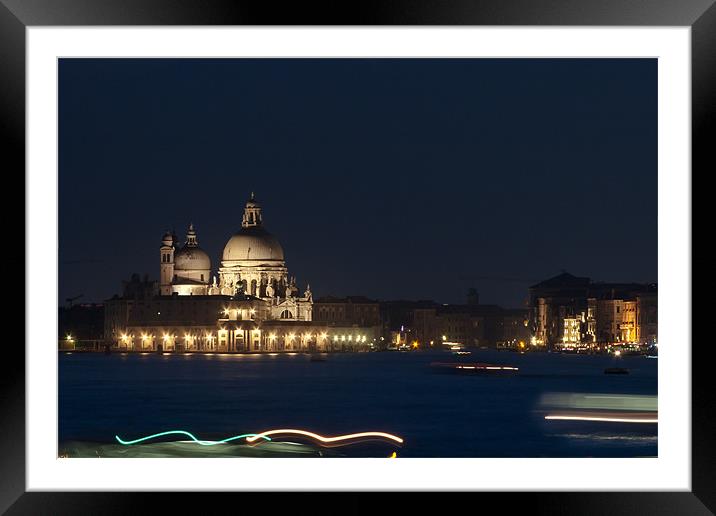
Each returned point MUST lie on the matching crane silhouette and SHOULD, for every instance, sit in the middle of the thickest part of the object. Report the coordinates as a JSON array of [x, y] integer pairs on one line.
[[71, 299]]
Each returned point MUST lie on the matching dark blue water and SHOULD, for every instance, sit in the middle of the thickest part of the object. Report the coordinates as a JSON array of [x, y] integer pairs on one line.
[[438, 415]]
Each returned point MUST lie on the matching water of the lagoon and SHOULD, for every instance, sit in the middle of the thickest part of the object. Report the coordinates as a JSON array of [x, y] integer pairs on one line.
[[438, 415]]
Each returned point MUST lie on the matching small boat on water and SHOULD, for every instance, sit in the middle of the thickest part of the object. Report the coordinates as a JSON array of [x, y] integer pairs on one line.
[[472, 368], [616, 370]]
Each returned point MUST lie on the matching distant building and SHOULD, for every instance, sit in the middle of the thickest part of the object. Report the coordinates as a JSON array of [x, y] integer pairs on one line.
[[352, 310], [82, 322], [570, 311], [647, 317], [404, 322], [428, 324]]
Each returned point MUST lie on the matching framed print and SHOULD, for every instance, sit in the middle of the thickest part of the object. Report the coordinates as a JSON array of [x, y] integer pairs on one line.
[[418, 249]]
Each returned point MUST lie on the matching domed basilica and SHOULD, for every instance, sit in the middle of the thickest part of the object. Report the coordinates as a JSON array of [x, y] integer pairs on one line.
[[252, 265], [248, 304]]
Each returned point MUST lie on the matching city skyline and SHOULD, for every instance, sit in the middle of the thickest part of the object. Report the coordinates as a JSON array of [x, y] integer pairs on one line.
[[186, 141]]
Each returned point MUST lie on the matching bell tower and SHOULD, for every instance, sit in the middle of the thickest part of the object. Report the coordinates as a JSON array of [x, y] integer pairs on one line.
[[166, 266]]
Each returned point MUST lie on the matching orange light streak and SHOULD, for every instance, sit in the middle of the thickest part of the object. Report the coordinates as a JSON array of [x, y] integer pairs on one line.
[[325, 439]]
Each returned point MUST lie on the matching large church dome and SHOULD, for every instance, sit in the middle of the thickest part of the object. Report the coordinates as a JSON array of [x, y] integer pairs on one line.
[[253, 243]]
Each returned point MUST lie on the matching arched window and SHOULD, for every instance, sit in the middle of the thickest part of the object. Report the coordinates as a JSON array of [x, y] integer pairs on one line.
[[286, 314], [253, 287]]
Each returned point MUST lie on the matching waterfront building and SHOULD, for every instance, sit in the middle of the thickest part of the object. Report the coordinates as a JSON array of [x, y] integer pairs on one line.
[[351, 310], [471, 325], [569, 312], [80, 326], [253, 306], [514, 328], [647, 317]]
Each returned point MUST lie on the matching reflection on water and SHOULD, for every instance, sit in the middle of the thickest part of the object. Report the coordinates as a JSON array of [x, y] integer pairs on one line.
[[215, 396]]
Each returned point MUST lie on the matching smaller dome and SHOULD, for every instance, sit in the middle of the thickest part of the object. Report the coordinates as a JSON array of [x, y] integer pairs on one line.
[[168, 239], [191, 259]]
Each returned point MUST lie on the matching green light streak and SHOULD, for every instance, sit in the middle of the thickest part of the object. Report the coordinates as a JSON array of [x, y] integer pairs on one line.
[[183, 432]]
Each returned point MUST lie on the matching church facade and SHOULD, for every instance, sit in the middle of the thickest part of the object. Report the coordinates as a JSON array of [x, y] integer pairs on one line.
[[252, 264], [249, 303]]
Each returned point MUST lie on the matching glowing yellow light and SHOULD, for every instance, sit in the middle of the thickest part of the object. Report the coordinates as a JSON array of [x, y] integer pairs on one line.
[[166, 336], [393, 455], [272, 336], [350, 337], [252, 311], [415, 344], [335, 338], [444, 337], [343, 337], [144, 336], [69, 337], [322, 438], [324, 335]]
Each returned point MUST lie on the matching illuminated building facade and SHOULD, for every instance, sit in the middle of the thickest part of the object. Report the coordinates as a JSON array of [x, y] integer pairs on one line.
[[569, 312]]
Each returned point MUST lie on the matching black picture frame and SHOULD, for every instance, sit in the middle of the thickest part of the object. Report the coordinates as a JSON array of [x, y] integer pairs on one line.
[[17, 15]]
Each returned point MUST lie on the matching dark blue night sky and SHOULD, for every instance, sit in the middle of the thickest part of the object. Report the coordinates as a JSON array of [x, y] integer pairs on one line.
[[389, 178]]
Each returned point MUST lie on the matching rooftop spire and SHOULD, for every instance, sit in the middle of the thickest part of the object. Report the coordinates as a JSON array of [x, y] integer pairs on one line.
[[252, 213], [191, 236]]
